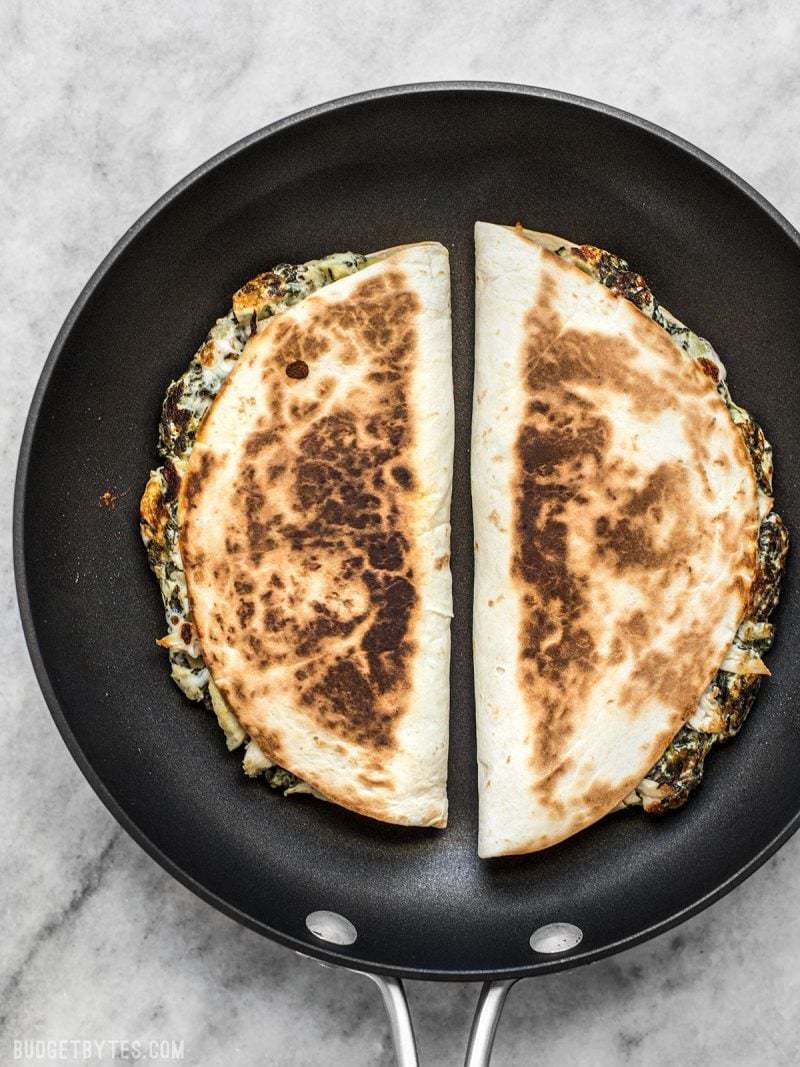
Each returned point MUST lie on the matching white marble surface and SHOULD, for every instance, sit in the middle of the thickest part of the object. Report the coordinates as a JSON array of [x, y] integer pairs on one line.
[[103, 106]]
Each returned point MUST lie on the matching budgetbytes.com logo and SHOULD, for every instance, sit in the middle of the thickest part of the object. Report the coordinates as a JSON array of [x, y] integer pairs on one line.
[[90, 1050]]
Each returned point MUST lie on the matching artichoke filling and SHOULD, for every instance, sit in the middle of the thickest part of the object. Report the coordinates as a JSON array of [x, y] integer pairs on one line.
[[186, 403], [724, 705]]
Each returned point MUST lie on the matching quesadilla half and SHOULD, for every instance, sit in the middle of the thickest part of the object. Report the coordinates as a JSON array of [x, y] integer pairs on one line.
[[627, 555], [304, 509]]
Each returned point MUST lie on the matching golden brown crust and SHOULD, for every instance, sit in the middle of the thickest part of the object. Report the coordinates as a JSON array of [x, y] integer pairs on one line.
[[321, 500], [581, 511], [152, 507]]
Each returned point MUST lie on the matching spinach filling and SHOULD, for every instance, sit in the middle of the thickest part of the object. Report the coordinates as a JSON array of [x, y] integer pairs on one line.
[[186, 403], [725, 704]]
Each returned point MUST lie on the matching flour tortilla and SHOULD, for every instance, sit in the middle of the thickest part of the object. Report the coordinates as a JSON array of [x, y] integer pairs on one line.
[[315, 536], [616, 516]]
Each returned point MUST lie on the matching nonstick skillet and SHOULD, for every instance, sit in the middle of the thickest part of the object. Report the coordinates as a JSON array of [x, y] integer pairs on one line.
[[375, 170]]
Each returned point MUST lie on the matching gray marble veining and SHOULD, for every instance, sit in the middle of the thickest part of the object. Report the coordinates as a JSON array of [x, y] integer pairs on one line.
[[102, 107]]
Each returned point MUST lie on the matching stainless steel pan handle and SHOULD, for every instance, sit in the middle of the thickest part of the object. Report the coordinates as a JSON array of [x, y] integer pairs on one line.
[[394, 1000], [484, 1024]]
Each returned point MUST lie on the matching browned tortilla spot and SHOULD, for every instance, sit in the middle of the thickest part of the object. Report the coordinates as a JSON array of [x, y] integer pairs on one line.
[[197, 478], [270, 744], [546, 785], [662, 675], [297, 369], [637, 627], [599, 798]]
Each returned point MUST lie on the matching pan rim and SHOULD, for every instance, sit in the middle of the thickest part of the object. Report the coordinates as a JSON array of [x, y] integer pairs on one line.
[[318, 950]]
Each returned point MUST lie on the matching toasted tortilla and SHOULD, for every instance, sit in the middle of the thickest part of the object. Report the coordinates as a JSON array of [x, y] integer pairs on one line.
[[314, 532], [616, 516]]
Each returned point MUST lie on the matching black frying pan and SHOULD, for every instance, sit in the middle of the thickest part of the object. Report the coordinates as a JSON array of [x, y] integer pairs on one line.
[[375, 170]]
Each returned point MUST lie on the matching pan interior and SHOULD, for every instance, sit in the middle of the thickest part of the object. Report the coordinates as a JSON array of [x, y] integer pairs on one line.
[[386, 170]]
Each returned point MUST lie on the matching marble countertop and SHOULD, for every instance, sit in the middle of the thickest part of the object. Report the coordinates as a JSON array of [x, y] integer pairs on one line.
[[104, 106]]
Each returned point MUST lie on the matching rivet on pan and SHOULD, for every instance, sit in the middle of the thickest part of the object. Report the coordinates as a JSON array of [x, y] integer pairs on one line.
[[331, 926], [556, 937]]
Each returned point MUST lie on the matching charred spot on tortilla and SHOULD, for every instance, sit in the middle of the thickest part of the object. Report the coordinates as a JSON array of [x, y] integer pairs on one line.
[[297, 369], [553, 455]]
